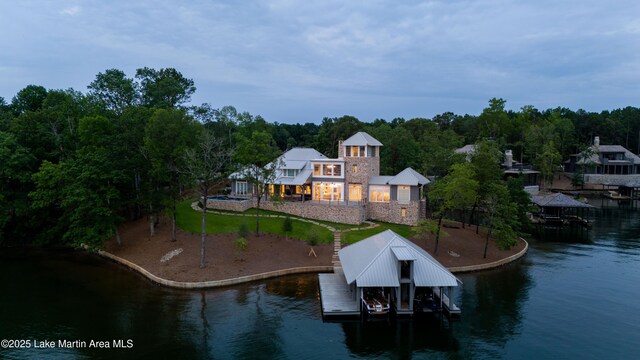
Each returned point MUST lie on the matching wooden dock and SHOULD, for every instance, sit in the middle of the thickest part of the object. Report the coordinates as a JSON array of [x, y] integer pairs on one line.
[[336, 296]]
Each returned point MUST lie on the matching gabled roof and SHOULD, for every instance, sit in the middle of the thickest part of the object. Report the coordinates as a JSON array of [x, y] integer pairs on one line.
[[300, 179], [380, 180], [302, 154], [410, 177], [407, 176], [558, 200], [598, 149], [373, 262], [361, 139]]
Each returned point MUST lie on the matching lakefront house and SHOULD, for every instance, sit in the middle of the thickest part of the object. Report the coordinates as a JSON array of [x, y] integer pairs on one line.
[[347, 189]]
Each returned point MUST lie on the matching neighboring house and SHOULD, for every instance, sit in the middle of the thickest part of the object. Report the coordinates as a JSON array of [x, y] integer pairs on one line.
[[404, 271], [512, 169], [604, 160], [308, 178]]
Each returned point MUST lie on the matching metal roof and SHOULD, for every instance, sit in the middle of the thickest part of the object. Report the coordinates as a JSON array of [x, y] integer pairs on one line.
[[294, 164], [558, 200], [409, 176], [361, 139], [305, 154], [373, 262], [380, 180], [300, 179], [402, 253]]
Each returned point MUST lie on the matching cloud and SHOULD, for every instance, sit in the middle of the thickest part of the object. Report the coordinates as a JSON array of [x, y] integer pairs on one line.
[[70, 11]]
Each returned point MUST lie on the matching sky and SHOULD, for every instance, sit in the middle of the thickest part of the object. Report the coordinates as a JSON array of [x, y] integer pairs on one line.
[[301, 61]]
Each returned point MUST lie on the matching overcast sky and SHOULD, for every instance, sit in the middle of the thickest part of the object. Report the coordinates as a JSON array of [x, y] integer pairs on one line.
[[299, 61]]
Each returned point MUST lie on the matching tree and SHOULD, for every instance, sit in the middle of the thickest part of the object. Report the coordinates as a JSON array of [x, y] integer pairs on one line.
[[485, 162], [168, 134], [114, 90], [164, 88], [17, 164], [548, 162], [28, 99], [457, 190], [501, 216], [205, 164], [258, 158]]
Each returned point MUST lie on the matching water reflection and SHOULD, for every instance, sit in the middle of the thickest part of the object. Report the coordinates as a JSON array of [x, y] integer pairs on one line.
[[552, 303]]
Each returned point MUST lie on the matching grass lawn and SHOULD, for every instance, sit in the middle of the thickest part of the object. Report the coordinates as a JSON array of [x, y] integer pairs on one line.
[[190, 220], [355, 236], [337, 226]]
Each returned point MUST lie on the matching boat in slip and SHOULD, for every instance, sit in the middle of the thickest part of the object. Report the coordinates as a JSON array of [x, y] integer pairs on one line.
[[375, 304]]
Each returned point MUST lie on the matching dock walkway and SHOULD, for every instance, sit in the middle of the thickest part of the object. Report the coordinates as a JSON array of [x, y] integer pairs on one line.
[[335, 295]]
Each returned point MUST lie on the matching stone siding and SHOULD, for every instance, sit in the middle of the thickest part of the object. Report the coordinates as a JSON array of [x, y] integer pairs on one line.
[[319, 211], [392, 212], [367, 167]]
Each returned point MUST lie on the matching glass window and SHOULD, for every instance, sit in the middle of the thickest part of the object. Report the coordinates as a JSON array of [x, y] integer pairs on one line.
[[403, 212], [355, 192], [290, 172], [316, 169], [362, 151], [404, 194], [347, 151], [379, 193], [327, 191], [354, 151], [337, 170], [355, 168], [241, 188]]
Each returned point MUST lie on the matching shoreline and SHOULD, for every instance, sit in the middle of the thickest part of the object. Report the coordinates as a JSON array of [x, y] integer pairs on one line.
[[283, 272]]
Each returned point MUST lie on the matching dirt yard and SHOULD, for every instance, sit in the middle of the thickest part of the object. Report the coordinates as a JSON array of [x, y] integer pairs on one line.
[[266, 253]]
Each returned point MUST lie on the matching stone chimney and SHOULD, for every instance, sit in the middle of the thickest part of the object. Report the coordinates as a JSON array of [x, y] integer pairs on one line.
[[340, 149], [508, 159], [596, 141]]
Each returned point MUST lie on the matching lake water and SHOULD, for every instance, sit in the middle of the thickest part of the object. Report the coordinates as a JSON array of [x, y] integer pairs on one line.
[[575, 295]]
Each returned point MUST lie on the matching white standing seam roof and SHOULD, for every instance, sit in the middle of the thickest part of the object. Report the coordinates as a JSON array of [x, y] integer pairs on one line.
[[380, 180], [409, 176], [294, 164], [373, 262], [467, 149], [402, 253], [300, 179], [361, 139]]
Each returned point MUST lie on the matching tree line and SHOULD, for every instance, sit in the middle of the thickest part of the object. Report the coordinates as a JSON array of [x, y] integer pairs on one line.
[[75, 165]]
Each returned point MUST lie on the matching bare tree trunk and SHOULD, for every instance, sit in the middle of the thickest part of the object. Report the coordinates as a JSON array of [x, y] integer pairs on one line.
[[173, 222], [203, 242], [258, 217], [118, 239], [486, 243], [438, 233]]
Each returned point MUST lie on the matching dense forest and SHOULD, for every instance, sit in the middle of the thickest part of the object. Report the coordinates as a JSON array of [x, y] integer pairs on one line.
[[75, 165]]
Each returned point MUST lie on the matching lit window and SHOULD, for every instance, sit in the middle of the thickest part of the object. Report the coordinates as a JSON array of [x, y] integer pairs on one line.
[[403, 212], [355, 168], [378, 193], [355, 192], [316, 169]]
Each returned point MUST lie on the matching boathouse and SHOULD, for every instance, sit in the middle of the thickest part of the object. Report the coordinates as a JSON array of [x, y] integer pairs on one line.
[[559, 209], [387, 272]]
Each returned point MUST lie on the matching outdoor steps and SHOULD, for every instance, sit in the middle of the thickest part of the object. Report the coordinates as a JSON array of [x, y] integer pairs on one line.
[[337, 245]]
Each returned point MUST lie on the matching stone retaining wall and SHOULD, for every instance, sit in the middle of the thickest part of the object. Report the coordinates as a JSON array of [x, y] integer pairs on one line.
[[229, 205], [495, 264], [319, 211]]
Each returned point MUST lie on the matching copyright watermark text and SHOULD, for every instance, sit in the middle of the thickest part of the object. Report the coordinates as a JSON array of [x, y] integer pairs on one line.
[[65, 344]]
